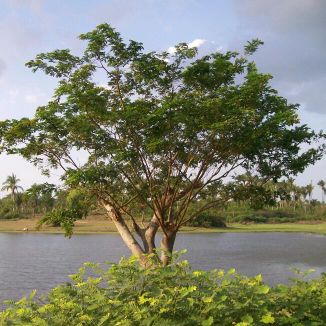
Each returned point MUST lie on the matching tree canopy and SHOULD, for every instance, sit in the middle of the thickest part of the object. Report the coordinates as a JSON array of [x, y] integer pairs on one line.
[[157, 129]]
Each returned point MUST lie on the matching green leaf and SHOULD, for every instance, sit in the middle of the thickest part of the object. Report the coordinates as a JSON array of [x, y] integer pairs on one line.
[[268, 319], [247, 319], [104, 319], [208, 322], [231, 271], [262, 289]]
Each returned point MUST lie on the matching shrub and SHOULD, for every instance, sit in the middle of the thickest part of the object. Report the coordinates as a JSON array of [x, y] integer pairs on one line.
[[6, 209], [207, 220], [126, 294], [7, 214], [276, 214], [4, 215], [250, 218], [265, 216]]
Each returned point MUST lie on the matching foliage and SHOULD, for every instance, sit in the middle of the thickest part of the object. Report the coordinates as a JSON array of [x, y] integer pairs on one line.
[[265, 216], [157, 129], [7, 208], [321, 184], [127, 294], [40, 196], [11, 185], [207, 220], [61, 217], [77, 205]]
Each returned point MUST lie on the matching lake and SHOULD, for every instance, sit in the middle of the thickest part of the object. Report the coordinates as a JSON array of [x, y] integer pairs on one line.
[[40, 261]]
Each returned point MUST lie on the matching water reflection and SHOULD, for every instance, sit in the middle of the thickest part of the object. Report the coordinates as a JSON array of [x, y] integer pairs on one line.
[[41, 261]]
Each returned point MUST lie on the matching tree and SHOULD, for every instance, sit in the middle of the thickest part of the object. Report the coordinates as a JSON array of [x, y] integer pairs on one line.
[[11, 185], [40, 196], [256, 191], [157, 129], [321, 184], [309, 189], [33, 195]]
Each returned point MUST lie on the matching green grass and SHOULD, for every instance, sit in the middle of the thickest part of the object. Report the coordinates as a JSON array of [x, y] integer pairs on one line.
[[279, 227]]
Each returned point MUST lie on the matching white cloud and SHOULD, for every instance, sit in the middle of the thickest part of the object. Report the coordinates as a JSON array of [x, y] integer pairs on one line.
[[35, 5], [171, 50], [2, 66], [14, 92], [294, 36], [34, 98], [196, 43]]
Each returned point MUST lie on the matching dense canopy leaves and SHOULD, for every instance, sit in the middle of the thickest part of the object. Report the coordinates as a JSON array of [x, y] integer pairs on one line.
[[156, 129]]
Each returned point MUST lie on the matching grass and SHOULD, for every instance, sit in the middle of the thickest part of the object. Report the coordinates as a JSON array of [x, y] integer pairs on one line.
[[319, 228], [100, 225]]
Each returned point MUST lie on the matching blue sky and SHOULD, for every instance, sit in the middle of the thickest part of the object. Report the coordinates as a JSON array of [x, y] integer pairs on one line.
[[293, 32]]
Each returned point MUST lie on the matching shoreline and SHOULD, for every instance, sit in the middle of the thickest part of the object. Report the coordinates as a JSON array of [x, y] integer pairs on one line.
[[102, 226]]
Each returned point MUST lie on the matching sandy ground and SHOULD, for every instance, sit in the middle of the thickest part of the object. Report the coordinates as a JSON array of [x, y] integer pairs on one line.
[[81, 226], [102, 225]]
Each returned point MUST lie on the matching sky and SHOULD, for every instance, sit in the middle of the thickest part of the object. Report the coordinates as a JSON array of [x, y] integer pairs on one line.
[[294, 48]]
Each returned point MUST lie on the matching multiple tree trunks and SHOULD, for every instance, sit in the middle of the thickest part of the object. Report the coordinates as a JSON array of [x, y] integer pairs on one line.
[[147, 236]]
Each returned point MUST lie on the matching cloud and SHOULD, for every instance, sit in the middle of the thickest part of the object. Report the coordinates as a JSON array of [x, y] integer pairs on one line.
[[295, 40], [26, 95], [34, 5], [196, 43], [34, 98], [18, 38], [2, 67], [118, 11], [171, 50]]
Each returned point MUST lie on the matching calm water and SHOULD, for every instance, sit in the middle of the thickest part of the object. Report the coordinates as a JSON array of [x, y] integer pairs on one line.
[[41, 261]]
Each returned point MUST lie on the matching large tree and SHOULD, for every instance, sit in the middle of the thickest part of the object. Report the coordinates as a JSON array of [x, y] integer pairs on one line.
[[156, 129]]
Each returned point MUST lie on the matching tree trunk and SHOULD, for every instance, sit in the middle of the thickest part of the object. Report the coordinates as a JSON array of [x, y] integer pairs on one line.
[[147, 236], [125, 232], [167, 244], [150, 234], [13, 202]]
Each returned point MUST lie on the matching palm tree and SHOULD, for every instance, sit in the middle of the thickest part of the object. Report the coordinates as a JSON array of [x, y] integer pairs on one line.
[[34, 195], [309, 188], [11, 184], [321, 184]]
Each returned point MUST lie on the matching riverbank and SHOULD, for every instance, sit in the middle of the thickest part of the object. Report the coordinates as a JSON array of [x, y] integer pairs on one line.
[[105, 226]]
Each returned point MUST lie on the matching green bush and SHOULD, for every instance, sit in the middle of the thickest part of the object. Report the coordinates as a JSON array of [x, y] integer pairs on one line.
[[6, 209], [276, 214], [7, 214], [265, 216], [207, 220], [250, 218], [126, 294]]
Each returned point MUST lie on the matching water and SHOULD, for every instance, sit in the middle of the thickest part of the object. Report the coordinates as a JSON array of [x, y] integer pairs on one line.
[[41, 261]]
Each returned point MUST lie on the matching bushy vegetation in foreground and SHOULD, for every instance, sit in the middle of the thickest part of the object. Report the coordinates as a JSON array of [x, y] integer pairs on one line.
[[126, 294]]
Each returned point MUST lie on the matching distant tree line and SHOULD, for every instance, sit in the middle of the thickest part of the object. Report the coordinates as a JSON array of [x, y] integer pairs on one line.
[[38, 200], [248, 192], [259, 193]]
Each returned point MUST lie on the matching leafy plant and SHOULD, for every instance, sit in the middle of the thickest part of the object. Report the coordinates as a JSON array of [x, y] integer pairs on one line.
[[207, 220], [126, 294]]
